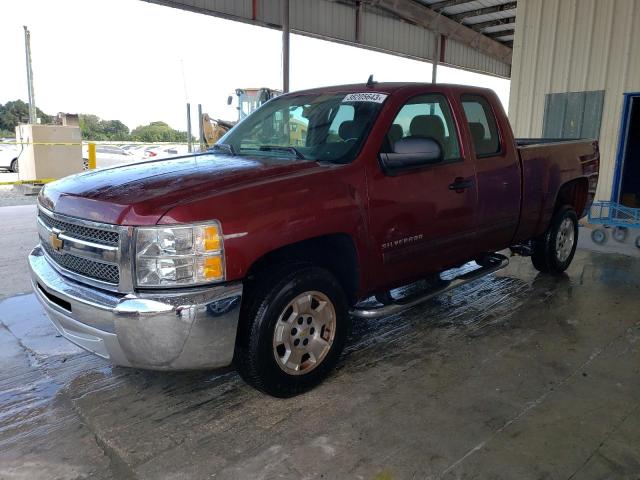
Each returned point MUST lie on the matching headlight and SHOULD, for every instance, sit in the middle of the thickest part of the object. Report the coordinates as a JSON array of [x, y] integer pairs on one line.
[[184, 255]]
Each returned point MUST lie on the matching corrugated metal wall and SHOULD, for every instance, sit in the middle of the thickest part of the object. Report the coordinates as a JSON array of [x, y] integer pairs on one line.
[[336, 21], [571, 46], [457, 53]]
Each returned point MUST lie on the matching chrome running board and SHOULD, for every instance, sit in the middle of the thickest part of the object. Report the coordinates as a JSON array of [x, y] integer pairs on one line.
[[493, 263]]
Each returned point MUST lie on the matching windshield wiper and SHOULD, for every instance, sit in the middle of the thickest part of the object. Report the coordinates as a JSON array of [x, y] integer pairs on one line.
[[277, 148], [225, 147]]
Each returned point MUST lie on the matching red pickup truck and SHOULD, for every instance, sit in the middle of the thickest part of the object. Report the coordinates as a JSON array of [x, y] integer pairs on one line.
[[262, 250]]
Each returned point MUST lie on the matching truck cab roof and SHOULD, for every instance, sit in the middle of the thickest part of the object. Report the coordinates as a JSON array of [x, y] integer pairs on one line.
[[393, 87]]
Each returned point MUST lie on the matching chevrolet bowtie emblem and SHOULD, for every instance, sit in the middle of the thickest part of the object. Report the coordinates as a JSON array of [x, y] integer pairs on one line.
[[55, 241]]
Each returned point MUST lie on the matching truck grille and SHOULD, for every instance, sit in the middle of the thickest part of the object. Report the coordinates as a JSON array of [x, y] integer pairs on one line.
[[83, 266], [95, 235], [87, 251]]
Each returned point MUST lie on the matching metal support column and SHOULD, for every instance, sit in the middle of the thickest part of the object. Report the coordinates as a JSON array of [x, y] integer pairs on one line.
[[285, 46], [436, 58], [32, 97], [358, 21], [200, 128], [189, 137]]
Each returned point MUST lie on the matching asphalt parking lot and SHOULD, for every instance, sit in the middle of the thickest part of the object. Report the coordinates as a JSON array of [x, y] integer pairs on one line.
[[516, 376]]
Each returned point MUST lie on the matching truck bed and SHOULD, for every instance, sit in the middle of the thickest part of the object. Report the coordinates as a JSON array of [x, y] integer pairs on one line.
[[546, 165], [526, 142]]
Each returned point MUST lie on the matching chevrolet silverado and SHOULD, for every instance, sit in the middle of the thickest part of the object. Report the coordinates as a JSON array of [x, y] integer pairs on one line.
[[261, 251]]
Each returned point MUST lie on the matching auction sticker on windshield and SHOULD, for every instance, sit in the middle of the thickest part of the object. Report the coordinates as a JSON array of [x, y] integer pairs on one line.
[[365, 97]]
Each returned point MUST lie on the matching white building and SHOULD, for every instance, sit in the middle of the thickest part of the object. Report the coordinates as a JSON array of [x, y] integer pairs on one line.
[[573, 63]]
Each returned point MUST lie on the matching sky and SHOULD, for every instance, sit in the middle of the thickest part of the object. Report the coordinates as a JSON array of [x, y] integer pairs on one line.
[[137, 62]]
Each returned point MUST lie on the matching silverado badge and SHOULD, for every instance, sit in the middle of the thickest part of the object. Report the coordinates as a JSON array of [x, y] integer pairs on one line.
[[55, 241]]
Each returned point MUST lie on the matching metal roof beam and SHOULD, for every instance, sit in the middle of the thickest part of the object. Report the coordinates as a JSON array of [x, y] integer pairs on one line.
[[447, 3], [425, 17], [483, 11], [491, 23], [501, 33]]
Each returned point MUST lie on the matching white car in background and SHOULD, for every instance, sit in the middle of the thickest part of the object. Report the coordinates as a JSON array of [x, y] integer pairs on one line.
[[139, 151], [9, 157], [164, 151], [108, 156], [111, 155]]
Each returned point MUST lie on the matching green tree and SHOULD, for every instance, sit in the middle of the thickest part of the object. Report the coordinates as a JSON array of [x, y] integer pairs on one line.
[[115, 129], [90, 127], [16, 112], [157, 132], [94, 128]]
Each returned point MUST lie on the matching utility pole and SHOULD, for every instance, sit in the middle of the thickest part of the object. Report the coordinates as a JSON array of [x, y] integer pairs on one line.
[[285, 46], [32, 98], [189, 139]]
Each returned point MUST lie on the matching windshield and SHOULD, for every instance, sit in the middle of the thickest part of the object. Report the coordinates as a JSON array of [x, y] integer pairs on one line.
[[319, 127]]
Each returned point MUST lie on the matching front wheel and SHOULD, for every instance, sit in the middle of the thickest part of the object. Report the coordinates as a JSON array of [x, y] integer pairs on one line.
[[554, 250], [14, 166], [292, 331]]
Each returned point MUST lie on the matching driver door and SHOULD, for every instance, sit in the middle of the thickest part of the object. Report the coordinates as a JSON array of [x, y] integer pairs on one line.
[[423, 220]]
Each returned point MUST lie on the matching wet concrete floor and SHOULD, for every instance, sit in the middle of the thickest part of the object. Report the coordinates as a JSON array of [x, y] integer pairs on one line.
[[515, 376]]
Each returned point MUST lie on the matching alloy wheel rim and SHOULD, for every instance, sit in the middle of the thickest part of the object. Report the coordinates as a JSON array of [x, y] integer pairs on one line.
[[304, 333], [565, 240]]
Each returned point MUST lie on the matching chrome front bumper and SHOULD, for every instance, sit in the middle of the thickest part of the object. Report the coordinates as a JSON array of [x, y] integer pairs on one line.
[[181, 329]]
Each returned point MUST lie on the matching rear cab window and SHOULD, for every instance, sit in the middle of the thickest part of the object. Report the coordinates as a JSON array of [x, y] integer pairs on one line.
[[426, 116], [482, 125]]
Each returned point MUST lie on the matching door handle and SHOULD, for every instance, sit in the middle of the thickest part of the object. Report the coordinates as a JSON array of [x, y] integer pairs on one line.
[[460, 184]]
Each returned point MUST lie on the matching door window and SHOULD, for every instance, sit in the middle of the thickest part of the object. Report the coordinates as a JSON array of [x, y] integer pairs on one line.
[[426, 116], [482, 125]]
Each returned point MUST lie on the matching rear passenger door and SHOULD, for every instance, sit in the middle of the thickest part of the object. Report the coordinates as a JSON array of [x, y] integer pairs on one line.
[[497, 173], [423, 219]]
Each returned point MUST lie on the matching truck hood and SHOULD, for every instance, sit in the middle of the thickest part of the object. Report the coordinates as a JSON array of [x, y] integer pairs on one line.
[[140, 193]]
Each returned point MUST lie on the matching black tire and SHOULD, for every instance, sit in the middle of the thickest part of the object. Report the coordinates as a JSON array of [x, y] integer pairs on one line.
[[620, 234], [638, 242], [599, 236], [546, 257], [268, 301], [15, 168]]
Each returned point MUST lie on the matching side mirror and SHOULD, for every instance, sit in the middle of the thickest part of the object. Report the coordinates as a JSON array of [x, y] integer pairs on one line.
[[229, 100], [410, 154]]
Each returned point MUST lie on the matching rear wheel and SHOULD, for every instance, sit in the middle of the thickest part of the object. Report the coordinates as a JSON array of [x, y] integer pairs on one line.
[[554, 250], [14, 166], [292, 331]]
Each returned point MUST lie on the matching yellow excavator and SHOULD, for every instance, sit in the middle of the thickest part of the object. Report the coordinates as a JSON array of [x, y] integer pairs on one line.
[[249, 99]]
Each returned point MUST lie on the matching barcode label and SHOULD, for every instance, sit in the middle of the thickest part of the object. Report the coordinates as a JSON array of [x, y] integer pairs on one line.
[[365, 97]]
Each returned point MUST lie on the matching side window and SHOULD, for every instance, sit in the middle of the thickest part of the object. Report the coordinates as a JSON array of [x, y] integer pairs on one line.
[[482, 125], [426, 116]]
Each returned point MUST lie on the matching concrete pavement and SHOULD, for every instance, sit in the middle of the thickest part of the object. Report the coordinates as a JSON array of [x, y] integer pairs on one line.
[[516, 376]]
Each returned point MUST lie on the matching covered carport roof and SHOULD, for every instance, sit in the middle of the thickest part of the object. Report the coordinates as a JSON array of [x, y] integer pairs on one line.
[[493, 18], [475, 35]]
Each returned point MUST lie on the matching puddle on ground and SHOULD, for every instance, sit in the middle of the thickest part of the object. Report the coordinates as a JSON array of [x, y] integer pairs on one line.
[[26, 320], [45, 395]]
